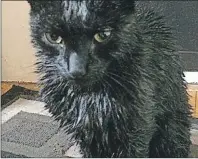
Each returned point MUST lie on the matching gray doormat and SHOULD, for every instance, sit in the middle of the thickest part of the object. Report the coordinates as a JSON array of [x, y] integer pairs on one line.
[[33, 135], [28, 130]]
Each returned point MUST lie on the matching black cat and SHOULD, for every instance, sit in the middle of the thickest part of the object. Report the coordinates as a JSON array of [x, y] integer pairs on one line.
[[110, 73]]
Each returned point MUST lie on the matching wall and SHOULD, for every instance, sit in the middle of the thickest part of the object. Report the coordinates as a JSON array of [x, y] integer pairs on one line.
[[17, 52]]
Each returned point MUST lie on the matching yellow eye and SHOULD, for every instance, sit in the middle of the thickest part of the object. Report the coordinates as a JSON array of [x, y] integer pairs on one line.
[[53, 38], [102, 36]]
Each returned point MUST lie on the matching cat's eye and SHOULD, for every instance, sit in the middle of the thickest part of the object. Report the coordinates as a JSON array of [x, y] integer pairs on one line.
[[53, 38], [102, 36]]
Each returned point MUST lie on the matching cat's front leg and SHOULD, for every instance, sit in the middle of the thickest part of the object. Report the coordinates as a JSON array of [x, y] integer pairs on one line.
[[141, 135]]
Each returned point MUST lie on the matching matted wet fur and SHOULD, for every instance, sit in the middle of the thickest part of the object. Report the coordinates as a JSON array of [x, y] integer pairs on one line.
[[110, 74]]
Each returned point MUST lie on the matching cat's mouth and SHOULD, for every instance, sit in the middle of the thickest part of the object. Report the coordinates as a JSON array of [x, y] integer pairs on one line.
[[87, 81], [91, 77], [83, 81]]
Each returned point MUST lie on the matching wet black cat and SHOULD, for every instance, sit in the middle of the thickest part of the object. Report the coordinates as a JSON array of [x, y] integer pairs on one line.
[[110, 74]]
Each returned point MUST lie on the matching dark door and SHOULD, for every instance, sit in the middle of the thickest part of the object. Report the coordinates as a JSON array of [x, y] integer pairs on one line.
[[183, 17]]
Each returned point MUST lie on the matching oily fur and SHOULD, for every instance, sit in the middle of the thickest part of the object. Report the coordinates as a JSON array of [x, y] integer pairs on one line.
[[132, 102]]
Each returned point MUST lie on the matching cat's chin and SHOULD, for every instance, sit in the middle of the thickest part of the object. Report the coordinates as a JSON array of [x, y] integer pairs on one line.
[[86, 85]]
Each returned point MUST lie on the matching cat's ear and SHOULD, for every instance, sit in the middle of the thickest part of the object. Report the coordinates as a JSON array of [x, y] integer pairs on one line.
[[36, 4], [32, 3]]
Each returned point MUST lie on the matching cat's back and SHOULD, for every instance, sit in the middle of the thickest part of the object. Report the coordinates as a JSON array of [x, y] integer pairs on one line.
[[154, 28], [159, 47]]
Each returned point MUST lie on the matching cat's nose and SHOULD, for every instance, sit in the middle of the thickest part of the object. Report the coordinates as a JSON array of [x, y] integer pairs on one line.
[[76, 65], [77, 73]]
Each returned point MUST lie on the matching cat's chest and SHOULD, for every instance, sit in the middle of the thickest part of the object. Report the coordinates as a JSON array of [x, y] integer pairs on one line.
[[96, 110]]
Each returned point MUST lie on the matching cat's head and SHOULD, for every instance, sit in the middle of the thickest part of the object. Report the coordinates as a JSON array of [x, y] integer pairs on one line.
[[79, 41]]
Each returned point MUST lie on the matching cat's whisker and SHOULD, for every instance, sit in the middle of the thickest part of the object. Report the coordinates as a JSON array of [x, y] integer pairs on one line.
[[122, 78], [124, 73], [106, 82], [123, 86], [112, 88]]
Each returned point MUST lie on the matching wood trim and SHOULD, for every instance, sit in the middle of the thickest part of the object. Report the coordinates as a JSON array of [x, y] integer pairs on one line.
[[196, 106], [5, 86], [192, 87]]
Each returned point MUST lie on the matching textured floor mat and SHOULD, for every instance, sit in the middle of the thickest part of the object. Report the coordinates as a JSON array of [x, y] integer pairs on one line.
[[33, 135]]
